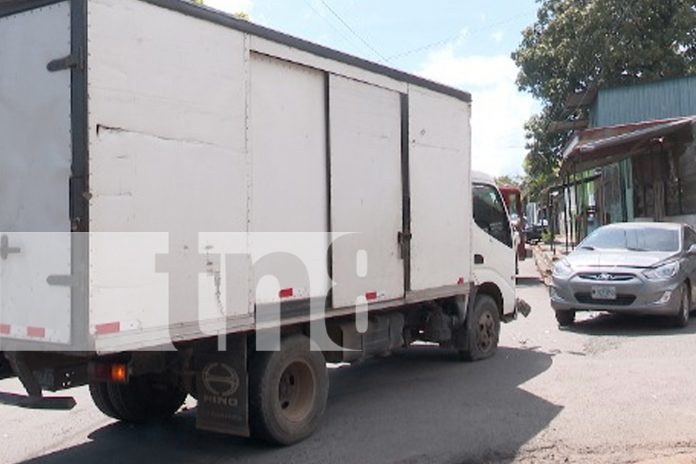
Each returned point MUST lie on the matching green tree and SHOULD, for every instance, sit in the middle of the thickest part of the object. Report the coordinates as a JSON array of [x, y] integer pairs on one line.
[[577, 45], [240, 14], [507, 181]]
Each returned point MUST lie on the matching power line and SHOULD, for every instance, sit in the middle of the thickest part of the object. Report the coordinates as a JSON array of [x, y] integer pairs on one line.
[[341, 33], [449, 39], [353, 31]]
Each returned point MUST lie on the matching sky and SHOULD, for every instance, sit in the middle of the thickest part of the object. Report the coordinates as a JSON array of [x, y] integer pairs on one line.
[[461, 43]]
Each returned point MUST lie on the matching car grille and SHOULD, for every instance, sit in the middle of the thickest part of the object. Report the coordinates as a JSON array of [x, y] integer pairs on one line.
[[621, 300], [606, 277]]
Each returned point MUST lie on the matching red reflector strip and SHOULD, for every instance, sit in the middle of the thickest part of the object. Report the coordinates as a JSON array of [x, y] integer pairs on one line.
[[286, 293], [461, 281], [5, 329], [371, 296], [36, 332], [110, 328]]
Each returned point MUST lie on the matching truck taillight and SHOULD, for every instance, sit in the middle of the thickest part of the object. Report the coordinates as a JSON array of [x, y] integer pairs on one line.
[[109, 372]]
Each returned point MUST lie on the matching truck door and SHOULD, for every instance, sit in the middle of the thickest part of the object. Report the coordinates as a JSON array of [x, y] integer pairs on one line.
[[366, 190], [494, 254], [35, 170]]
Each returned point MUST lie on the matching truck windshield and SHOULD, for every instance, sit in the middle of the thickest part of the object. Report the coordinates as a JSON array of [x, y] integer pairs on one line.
[[490, 214]]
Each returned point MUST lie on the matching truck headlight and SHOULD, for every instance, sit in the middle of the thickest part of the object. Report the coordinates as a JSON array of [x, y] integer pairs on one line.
[[562, 269], [664, 272]]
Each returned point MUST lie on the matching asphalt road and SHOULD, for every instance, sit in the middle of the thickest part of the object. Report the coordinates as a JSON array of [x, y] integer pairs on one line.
[[610, 390]]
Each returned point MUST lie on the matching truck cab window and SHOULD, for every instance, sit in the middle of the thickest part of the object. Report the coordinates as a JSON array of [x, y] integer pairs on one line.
[[490, 214]]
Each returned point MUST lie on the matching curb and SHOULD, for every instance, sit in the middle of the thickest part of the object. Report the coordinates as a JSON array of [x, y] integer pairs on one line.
[[544, 263]]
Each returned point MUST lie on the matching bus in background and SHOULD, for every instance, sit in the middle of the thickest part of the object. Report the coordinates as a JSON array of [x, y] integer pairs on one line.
[[513, 200]]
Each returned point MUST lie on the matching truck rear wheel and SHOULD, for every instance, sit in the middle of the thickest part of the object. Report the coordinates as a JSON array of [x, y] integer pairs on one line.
[[288, 390], [482, 330], [142, 400], [100, 397]]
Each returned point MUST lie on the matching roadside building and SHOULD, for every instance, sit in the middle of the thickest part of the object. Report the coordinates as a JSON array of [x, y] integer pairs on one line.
[[634, 158]]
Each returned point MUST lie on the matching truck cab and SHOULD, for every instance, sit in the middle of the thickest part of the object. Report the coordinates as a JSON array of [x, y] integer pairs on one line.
[[493, 244]]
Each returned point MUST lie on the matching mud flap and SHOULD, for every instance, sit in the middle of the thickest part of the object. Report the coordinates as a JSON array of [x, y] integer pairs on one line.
[[222, 385], [522, 307]]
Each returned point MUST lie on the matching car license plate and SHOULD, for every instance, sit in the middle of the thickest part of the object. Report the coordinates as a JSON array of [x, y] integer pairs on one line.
[[603, 293]]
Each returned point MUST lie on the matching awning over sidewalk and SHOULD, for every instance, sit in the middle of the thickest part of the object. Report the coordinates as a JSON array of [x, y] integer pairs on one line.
[[601, 146]]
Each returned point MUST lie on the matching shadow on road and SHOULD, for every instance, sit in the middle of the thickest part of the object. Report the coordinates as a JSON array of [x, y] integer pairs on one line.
[[624, 325], [527, 281], [421, 405]]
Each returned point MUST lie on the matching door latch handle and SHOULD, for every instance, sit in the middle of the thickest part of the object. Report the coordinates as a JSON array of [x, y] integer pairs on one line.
[[404, 239], [5, 249]]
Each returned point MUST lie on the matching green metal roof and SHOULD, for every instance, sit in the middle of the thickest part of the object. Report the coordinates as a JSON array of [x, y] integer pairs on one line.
[[664, 99]]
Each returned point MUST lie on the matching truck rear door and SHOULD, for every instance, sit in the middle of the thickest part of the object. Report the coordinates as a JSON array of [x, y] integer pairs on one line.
[[35, 171]]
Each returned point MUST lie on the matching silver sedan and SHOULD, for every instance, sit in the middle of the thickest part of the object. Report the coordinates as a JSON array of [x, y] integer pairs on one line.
[[636, 268]]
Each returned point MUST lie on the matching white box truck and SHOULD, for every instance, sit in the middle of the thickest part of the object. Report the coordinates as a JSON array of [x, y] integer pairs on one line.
[[191, 204]]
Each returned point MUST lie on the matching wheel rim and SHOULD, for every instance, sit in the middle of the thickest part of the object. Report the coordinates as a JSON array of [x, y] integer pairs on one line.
[[296, 391], [486, 332]]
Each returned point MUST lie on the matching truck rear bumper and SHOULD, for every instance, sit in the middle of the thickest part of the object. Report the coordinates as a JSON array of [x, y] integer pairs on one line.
[[58, 403], [51, 376], [5, 368]]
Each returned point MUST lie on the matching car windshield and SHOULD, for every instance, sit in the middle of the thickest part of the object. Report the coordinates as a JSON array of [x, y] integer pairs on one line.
[[633, 239]]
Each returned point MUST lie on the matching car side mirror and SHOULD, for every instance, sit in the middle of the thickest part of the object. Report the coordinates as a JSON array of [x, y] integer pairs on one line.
[[692, 250]]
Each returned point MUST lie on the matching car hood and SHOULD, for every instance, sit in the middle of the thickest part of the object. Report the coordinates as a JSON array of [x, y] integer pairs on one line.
[[605, 258]]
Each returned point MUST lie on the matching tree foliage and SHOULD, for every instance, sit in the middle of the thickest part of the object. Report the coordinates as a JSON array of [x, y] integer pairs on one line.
[[577, 45], [241, 14], [509, 181]]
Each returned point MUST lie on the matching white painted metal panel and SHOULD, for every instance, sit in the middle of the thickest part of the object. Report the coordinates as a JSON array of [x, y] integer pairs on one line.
[[441, 205], [366, 191], [35, 166], [498, 266], [287, 53], [290, 188], [168, 154]]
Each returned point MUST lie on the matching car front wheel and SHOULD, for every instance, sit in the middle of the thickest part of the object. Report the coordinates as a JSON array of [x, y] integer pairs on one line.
[[565, 318], [681, 320]]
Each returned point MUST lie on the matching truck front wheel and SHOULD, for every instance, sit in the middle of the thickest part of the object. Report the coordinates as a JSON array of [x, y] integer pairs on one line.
[[482, 330], [288, 392], [143, 399]]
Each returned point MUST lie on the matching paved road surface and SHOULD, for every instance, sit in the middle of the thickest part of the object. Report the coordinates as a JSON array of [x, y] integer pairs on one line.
[[610, 390]]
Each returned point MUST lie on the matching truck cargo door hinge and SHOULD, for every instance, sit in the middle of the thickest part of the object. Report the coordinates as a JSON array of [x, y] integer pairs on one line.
[[404, 239], [75, 60], [5, 249]]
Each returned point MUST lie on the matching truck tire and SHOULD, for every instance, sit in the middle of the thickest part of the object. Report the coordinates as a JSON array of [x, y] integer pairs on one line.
[[565, 318], [288, 390], [141, 400], [99, 392], [482, 330]]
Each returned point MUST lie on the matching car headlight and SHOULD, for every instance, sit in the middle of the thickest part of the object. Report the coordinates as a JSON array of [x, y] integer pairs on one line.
[[663, 272], [562, 269]]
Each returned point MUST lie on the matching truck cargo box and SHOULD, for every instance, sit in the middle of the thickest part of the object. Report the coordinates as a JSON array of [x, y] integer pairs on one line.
[[169, 172]]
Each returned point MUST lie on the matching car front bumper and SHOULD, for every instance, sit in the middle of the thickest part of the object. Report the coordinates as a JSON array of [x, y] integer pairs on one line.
[[636, 295]]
